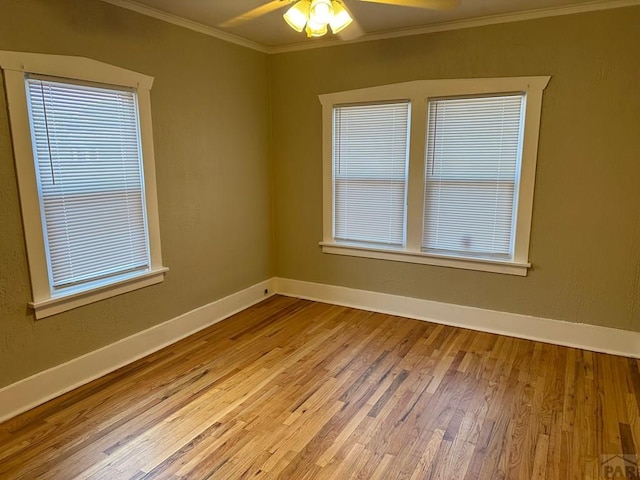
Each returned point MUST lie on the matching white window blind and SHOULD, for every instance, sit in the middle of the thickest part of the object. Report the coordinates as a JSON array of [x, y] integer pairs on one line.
[[370, 170], [89, 171], [472, 171]]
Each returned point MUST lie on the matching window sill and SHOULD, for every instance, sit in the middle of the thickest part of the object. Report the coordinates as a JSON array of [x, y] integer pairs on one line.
[[481, 264], [53, 306]]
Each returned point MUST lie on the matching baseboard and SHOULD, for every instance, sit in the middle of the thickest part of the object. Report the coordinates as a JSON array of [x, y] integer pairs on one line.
[[42, 387], [578, 335]]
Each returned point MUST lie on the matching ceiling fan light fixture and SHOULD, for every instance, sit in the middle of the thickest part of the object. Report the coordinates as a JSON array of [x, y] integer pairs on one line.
[[297, 15], [315, 16], [341, 18], [321, 12]]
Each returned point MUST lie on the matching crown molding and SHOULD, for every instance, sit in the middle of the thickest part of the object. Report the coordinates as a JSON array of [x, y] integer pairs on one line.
[[189, 24], [591, 6]]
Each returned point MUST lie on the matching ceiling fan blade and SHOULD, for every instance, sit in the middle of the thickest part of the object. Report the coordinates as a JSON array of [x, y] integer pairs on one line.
[[255, 13], [429, 4]]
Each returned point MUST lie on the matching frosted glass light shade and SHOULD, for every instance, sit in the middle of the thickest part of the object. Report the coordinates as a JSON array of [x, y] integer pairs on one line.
[[316, 29], [341, 18], [321, 12], [297, 15]]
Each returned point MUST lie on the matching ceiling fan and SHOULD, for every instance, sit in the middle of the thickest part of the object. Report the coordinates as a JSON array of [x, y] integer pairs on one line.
[[315, 17]]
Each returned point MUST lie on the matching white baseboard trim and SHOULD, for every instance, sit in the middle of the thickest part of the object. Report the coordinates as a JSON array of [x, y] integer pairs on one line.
[[578, 335], [46, 385]]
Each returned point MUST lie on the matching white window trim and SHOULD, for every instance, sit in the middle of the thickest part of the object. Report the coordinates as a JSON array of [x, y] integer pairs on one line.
[[419, 92], [15, 65]]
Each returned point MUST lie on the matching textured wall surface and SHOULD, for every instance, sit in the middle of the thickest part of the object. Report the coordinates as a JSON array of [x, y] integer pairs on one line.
[[585, 244], [211, 129]]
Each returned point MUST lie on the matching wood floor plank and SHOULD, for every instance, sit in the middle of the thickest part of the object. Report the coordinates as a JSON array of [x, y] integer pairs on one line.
[[294, 389]]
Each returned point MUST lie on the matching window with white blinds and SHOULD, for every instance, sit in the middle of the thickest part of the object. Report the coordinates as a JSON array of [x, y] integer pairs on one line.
[[370, 155], [435, 172], [471, 175], [83, 152], [89, 171]]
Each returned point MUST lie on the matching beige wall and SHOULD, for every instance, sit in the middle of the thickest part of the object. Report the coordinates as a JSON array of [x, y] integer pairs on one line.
[[211, 126], [585, 245], [221, 180]]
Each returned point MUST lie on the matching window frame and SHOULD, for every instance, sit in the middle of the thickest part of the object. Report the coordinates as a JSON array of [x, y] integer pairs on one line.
[[418, 93], [15, 66]]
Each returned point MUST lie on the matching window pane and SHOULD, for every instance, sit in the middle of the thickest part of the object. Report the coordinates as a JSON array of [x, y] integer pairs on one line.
[[472, 169], [88, 163], [370, 152]]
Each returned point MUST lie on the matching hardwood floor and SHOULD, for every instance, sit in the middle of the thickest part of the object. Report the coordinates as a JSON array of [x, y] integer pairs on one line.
[[294, 389]]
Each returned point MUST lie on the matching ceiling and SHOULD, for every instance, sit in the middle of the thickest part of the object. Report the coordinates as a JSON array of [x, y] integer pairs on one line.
[[271, 33]]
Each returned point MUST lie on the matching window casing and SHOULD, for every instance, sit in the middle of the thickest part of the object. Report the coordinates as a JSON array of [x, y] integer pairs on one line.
[[83, 149], [470, 171]]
